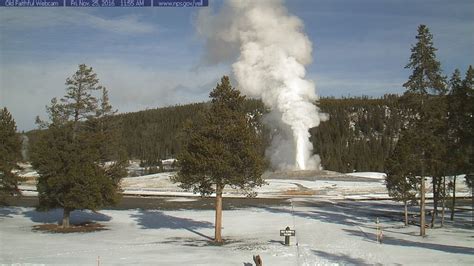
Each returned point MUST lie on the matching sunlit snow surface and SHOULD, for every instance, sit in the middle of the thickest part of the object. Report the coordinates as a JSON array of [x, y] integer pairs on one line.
[[325, 184], [330, 228], [327, 232]]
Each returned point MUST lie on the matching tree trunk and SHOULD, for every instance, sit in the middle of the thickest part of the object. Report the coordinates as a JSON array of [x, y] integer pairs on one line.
[[436, 189], [218, 225], [435, 202], [422, 207], [444, 201], [66, 214], [454, 199], [406, 213]]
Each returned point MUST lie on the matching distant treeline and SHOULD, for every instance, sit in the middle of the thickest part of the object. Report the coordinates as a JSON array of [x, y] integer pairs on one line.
[[359, 135]]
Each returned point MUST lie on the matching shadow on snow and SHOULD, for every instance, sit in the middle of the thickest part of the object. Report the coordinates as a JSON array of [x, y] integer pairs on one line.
[[340, 258], [56, 215], [363, 214], [387, 240], [6, 212], [152, 219]]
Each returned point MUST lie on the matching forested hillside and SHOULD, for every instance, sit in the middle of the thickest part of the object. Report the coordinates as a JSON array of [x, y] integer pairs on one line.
[[359, 135], [154, 134], [360, 132]]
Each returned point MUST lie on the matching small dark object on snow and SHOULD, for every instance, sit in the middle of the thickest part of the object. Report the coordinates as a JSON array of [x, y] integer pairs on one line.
[[258, 260]]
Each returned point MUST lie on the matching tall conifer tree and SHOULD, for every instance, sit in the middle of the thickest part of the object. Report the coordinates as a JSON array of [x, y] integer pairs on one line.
[[221, 149], [468, 133], [68, 156], [428, 112], [10, 147]]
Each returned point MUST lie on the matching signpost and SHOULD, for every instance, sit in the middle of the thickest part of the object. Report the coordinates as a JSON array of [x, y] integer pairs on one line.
[[287, 233]]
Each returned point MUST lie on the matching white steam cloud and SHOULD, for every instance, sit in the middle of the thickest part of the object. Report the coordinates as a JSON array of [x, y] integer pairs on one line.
[[272, 51]]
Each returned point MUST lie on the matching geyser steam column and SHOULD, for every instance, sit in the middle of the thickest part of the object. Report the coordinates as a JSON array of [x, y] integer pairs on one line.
[[272, 54]]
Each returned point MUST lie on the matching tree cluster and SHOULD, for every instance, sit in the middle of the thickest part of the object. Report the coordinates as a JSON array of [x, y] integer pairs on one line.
[[436, 139], [10, 146], [78, 157]]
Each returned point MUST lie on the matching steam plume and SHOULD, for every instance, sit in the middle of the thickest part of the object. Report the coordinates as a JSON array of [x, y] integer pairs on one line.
[[271, 51]]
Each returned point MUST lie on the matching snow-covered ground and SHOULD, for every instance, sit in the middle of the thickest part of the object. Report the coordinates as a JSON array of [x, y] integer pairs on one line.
[[160, 184], [374, 175], [372, 186], [330, 229], [359, 185], [327, 233]]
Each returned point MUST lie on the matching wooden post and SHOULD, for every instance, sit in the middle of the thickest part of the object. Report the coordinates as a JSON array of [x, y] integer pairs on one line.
[[218, 225], [379, 232], [258, 260], [287, 238]]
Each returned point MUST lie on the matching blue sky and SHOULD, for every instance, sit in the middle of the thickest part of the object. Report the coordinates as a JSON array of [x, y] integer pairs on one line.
[[151, 57]]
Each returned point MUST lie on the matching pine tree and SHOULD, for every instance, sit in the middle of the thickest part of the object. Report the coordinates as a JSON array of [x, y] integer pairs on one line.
[[68, 156], [107, 139], [10, 147], [221, 149], [401, 166], [468, 133], [460, 125], [424, 90], [426, 74]]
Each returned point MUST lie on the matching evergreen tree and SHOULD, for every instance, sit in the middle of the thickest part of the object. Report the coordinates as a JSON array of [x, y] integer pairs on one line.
[[10, 147], [107, 138], [424, 98], [401, 180], [460, 136], [69, 155], [426, 74], [468, 134], [221, 149], [457, 121]]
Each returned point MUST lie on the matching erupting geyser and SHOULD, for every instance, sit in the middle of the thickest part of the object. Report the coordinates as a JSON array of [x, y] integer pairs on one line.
[[272, 52]]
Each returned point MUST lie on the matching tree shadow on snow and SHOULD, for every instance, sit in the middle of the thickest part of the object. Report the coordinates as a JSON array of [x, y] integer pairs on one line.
[[151, 219], [344, 213], [340, 258], [6, 212], [56, 215], [387, 240]]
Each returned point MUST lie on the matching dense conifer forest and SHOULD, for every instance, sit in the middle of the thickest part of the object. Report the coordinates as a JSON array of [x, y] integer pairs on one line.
[[359, 135]]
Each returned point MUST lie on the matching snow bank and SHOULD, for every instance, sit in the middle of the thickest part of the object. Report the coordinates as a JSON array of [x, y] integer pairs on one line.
[[374, 175]]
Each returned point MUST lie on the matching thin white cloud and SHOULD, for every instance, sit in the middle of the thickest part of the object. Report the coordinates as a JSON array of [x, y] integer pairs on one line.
[[31, 18]]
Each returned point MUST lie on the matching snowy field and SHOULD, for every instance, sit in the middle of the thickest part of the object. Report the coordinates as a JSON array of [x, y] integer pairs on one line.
[[327, 233], [362, 185], [358, 185], [331, 228]]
